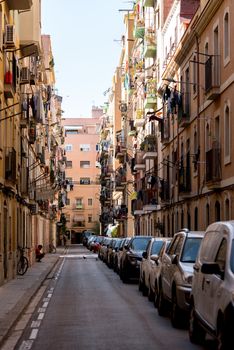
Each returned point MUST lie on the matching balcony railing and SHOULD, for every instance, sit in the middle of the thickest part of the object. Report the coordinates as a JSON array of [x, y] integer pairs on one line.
[[164, 193], [165, 129], [150, 197], [139, 163], [184, 110], [10, 164], [212, 77], [213, 164]]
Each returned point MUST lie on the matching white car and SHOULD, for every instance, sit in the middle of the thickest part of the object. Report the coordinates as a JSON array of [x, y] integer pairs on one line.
[[150, 265], [212, 295], [175, 280]]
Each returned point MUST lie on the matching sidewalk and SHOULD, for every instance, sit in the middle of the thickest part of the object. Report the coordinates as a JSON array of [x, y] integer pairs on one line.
[[16, 294]]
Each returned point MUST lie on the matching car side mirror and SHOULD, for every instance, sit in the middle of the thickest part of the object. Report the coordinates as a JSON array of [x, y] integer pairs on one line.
[[155, 258], [174, 259], [211, 269], [144, 255]]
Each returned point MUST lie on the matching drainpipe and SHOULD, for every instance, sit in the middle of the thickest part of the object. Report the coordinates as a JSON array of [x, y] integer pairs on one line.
[[198, 115]]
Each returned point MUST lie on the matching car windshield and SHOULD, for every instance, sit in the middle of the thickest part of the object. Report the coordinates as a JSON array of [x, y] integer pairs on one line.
[[140, 243], [190, 249], [157, 245], [232, 257]]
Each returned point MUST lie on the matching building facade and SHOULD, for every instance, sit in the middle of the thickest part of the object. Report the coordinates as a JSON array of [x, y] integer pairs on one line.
[[28, 207], [174, 137], [81, 207]]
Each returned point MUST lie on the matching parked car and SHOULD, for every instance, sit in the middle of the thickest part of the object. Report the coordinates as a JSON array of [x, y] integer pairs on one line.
[[85, 235], [102, 253], [95, 244], [119, 254], [212, 295], [175, 280], [150, 265], [132, 256], [113, 248]]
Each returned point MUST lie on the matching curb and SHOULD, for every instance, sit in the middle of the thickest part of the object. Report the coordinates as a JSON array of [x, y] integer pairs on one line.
[[12, 316]]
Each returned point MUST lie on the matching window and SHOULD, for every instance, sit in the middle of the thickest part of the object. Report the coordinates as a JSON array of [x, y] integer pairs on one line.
[[84, 147], [90, 219], [226, 37], [68, 164], [68, 147], [71, 132], [85, 164], [221, 255], [84, 181], [79, 203], [217, 211], [227, 209], [68, 217], [226, 134], [97, 147], [90, 201], [67, 201]]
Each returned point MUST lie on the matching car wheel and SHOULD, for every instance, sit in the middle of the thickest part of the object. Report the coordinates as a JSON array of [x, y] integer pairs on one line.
[[223, 341], [144, 289], [196, 332], [175, 312], [150, 293], [124, 276], [140, 285], [161, 303]]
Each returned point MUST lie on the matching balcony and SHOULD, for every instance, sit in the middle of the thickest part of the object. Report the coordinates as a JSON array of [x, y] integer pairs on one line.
[[212, 77], [120, 212], [150, 48], [150, 199], [78, 206], [139, 161], [30, 29], [149, 145], [164, 192], [165, 130], [120, 150], [139, 118], [137, 207], [213, 166], [19, 4], [10, 164], [120, 182], [185, 178], [9, 89], [139, 31], [148, 3], [184, 111], [150, 101]]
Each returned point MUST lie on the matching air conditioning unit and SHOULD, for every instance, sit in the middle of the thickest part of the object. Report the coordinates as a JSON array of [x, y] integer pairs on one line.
[[9, 39], [24, 75]]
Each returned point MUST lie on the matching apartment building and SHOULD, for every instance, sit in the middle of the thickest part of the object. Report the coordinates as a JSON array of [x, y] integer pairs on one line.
[[200, 148], [175, 88], [82, 208], [28, 206]]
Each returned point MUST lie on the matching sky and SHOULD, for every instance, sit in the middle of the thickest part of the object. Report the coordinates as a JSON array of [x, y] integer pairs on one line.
[[85, 37]]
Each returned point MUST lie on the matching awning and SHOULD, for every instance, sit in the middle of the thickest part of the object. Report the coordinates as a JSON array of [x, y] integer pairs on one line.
[[117, 195]]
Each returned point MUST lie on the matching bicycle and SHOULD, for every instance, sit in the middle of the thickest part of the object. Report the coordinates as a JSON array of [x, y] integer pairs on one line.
[[22, 265]]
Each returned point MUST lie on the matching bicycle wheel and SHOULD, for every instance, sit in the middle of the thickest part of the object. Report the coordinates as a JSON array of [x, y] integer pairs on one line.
[[22, 265]]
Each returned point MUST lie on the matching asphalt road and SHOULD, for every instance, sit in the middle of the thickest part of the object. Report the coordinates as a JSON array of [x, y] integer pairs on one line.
[[85, 306]]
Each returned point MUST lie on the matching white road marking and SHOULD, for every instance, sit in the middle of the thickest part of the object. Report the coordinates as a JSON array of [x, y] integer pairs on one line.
[[49, 295], [35, 324], [41, 316], [26, 345], [45, 304], [34, 333]]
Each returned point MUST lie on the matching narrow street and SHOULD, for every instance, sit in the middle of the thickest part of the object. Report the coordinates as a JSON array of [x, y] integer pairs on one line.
[[86, 306]]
